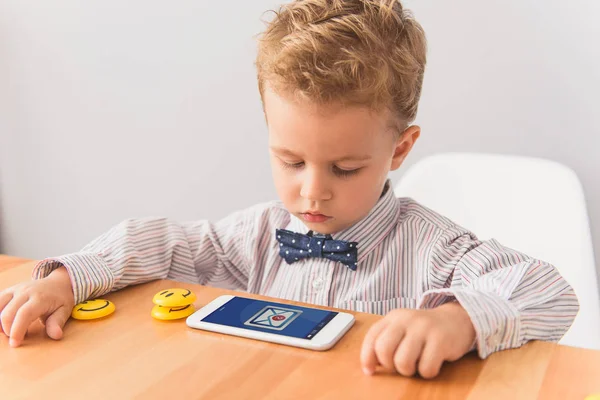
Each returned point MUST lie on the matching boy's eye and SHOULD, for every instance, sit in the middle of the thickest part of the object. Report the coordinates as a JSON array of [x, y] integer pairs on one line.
[[343, 173], [292, 165], [340, 172]]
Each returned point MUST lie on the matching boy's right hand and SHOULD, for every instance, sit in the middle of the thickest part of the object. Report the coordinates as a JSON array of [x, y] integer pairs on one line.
[[50, 299]]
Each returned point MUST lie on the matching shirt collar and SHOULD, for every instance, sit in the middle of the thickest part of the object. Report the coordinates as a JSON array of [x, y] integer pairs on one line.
[[370, 230]]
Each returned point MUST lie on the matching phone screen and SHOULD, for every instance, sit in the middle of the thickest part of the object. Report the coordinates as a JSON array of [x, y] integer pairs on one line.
[[270, 317]]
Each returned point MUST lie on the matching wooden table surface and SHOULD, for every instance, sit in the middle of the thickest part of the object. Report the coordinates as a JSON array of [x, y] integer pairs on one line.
[[132, 355]]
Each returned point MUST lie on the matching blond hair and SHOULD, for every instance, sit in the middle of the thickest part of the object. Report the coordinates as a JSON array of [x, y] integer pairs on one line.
[[355, 52]]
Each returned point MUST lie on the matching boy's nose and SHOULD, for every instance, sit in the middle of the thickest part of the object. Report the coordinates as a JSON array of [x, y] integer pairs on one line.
[[315, 188]]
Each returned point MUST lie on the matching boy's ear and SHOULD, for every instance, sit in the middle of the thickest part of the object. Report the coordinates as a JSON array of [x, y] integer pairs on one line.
[[403, 145]]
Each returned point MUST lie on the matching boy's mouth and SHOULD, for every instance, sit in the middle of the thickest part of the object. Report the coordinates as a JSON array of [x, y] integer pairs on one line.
[[314, 216]]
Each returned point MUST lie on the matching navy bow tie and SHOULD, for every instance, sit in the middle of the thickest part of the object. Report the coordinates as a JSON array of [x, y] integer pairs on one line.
[[296, 246]]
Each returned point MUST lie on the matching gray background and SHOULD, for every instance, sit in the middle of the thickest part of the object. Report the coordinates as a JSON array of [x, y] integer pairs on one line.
[[112, 109]]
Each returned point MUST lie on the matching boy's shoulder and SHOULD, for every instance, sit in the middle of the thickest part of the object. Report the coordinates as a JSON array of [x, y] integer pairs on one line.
[[411, 210], [270, 214]]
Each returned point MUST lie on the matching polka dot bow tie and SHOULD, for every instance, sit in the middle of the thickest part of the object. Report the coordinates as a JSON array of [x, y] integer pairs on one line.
[[296, 246]]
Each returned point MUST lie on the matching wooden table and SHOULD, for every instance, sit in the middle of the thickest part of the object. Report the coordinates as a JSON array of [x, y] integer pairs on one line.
[[131, 355]]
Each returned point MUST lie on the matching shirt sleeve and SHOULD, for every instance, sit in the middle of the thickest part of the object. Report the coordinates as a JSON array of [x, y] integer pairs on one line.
[[511, 298], [141, 250]]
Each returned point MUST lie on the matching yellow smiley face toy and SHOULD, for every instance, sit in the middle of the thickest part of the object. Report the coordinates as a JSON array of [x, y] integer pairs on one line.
[[174, 298], [92, 309], [173, 304], [167, 313]]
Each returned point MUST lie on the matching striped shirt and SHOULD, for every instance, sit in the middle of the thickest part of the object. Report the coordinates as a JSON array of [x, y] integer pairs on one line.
[[408, 257]]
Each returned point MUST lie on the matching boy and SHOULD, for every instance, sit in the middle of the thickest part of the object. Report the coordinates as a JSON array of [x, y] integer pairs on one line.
[[340, 83]]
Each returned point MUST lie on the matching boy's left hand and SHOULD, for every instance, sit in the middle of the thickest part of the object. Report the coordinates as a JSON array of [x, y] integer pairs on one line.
[[408, 341]]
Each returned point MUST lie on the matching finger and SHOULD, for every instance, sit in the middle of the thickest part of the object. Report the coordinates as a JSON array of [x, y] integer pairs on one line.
[[42, 320], [56, 321], [368, 358], [408, 353], [5, 298], [8, 313], [28, 313], [387, 343], [431, 359]]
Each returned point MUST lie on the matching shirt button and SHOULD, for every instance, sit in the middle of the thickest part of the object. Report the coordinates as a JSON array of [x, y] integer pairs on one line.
[[494, 340], [317, 283]]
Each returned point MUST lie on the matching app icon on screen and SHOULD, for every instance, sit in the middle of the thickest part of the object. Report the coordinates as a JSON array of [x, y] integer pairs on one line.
[[272, 317]]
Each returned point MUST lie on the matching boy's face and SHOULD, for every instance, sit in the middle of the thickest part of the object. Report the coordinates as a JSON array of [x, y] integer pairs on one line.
[[330, 163]]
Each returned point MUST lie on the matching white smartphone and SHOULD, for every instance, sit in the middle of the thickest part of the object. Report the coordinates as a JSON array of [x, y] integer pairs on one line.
[[307, 327]]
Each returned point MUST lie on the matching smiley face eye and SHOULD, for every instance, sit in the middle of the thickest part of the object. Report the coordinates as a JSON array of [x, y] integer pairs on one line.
[[166, 291]]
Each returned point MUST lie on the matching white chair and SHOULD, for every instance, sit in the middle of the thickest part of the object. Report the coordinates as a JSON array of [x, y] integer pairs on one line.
[[532, 205]]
